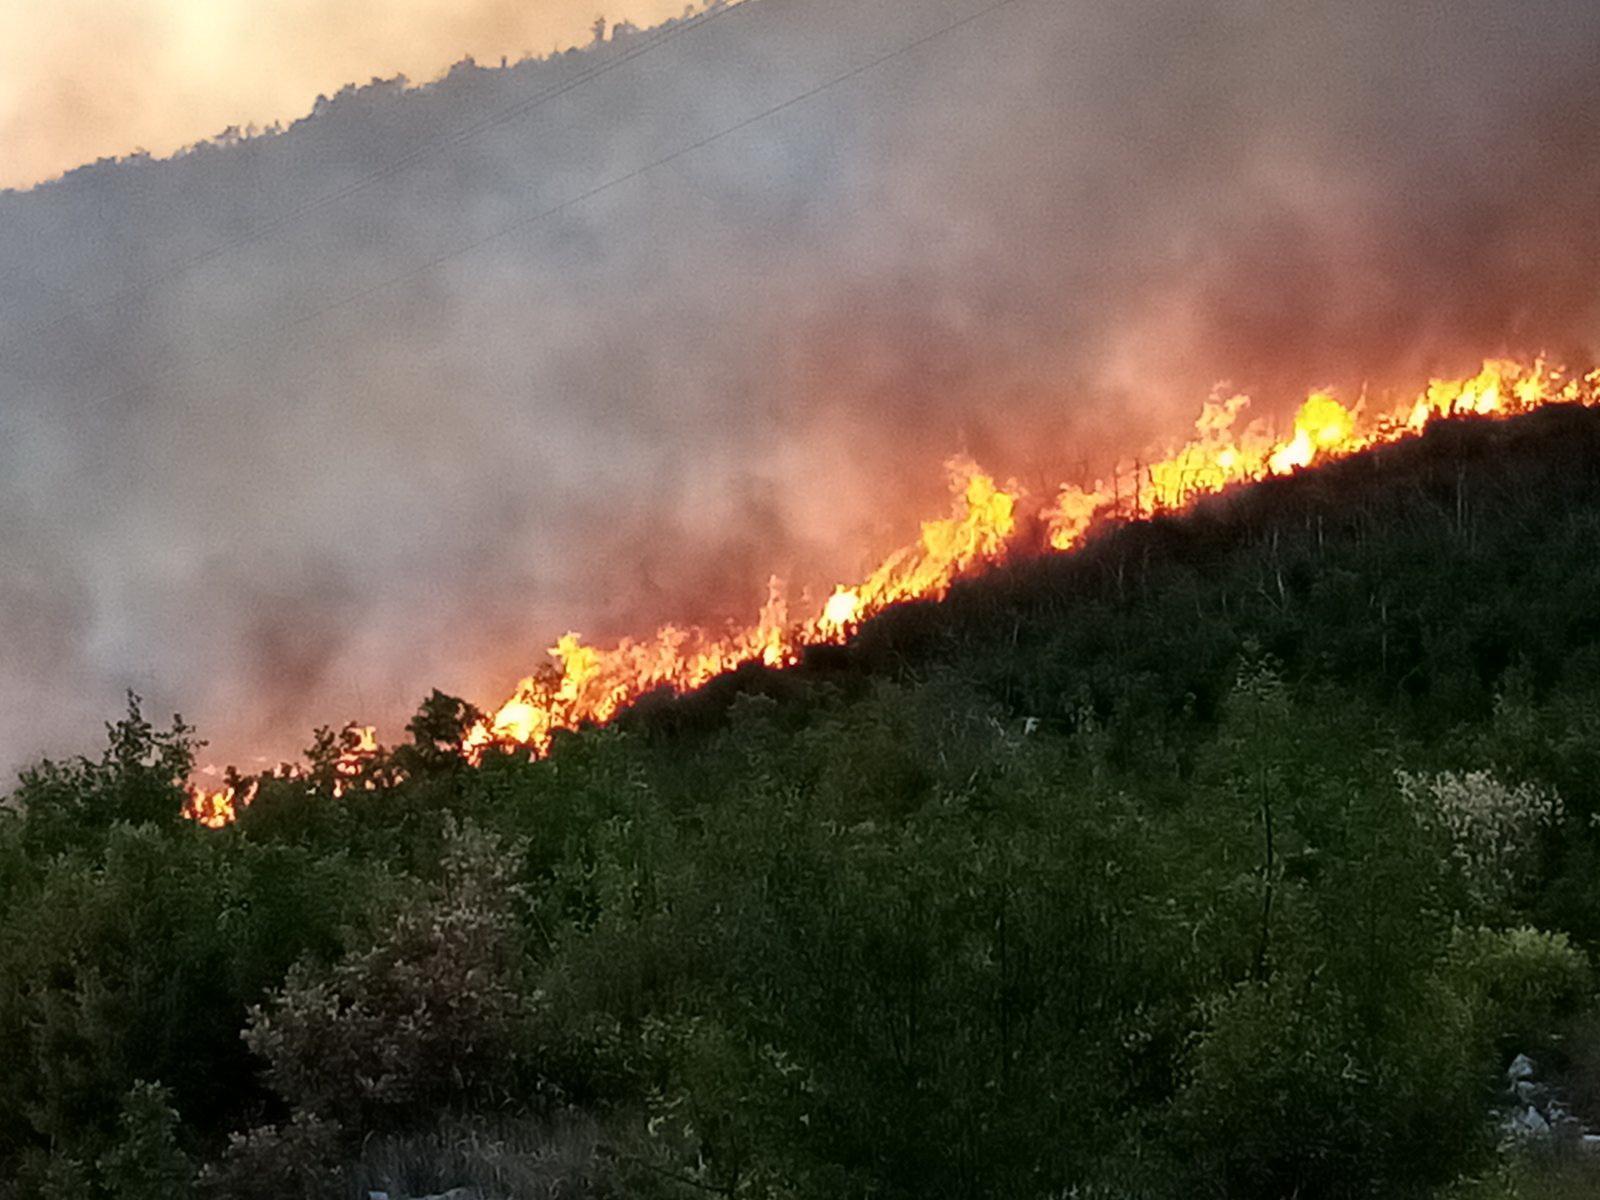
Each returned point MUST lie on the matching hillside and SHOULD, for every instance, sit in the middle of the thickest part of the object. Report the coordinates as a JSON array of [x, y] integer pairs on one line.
[[295, 426], [1235, 854]]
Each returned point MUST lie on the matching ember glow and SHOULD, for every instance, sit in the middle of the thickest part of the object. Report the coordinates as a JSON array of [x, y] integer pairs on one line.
[[586, 684]]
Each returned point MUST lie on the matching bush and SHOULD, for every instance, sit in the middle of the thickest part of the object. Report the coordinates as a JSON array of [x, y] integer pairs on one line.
[[137, 780], [146, 1162], [1522, 985], [524, 1159], [1291, 1094], [1491, 828], [427, 1016], [296, 1161], [1278, 1104]]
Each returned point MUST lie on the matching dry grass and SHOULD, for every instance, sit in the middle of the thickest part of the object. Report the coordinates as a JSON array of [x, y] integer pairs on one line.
[[521, 1159]]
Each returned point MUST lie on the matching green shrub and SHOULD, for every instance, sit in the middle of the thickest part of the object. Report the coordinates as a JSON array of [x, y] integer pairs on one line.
[[145, 1162], [1523, 985], [138, 779], [1291, 1093], [426, 1016], [298, 1160]]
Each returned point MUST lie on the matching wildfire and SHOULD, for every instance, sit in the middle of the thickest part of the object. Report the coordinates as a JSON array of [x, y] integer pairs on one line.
[[357, 747], [213, 807], [591, 684], [588, 684]]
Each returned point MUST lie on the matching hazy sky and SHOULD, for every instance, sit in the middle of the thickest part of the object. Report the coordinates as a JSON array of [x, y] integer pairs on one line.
[[81, 79]]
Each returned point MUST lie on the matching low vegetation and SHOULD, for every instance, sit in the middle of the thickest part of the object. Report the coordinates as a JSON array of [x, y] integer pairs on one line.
[[1237, 855]]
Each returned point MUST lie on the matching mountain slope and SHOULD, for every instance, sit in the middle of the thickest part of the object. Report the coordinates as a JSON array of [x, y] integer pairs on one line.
[[1235, 855], [311, 476]]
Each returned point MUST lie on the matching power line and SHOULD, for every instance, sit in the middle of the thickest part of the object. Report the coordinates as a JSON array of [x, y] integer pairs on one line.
[[597, 190], [509, 113]]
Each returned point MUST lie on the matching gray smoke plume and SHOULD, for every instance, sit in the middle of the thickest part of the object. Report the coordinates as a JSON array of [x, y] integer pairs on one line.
[[1040, 239]]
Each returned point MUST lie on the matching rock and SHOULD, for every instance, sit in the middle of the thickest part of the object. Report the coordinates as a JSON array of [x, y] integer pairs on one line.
[[1521, 1068], [1527, 1122]]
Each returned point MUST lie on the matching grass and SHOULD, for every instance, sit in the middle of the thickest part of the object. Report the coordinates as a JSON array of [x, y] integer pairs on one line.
[[520, 1159]]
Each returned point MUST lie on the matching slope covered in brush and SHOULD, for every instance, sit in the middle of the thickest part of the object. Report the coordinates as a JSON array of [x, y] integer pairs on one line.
[[294, 427], [1233, 854], [1416, 575]]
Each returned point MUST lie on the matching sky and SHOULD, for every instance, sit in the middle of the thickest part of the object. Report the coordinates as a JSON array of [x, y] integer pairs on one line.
[[83, 79]]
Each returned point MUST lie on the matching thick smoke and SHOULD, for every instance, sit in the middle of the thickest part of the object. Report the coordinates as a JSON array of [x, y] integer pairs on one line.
[[1040, 240]]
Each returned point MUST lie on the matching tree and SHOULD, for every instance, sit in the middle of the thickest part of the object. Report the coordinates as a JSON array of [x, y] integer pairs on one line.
[[146, 1162], [439, 732], [137, 780]]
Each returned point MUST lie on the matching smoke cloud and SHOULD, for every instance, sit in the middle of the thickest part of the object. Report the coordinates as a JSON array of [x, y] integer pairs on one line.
[[1040, 240], [85, 79]]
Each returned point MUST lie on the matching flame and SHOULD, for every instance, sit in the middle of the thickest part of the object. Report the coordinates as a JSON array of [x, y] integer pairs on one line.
[[592, 684], [1322, 424], [358, 746], [212, 807], [216, 807], [588, 684], [1225, 450]]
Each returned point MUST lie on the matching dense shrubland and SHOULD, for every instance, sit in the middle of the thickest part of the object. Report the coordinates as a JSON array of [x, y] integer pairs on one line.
[[1235, 856]]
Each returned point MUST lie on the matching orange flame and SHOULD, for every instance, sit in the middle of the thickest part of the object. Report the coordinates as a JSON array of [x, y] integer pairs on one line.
[[216, 807], [591, 684], [358, 746], [212, 807], [1221, 453]]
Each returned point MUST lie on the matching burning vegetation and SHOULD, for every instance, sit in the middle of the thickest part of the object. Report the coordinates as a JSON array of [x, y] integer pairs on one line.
[[1276, 819], [989, 522]]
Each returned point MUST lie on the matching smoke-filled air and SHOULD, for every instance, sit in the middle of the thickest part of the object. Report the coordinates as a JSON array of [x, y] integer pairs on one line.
[[297, 426], [86, 79]]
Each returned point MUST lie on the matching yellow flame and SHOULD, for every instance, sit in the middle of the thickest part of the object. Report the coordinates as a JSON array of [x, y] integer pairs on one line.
[[1226, 450], [212, 807], [590, 684]]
